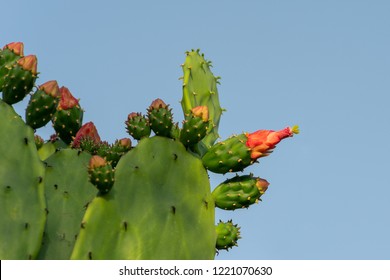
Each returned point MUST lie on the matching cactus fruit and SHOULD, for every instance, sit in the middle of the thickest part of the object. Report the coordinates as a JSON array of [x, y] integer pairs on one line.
[[231, 155], [137, 126], [101, 174], [68, 192], [158, 208], [239, 192], [200, 88], [227, 235], [20, 79], [42, 104], [240, 151], [22, 201], [68, 117], [195, 126], [8, 55], [160, 118]]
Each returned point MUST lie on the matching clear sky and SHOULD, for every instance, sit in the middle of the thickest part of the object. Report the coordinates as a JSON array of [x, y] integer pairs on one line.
[[324, 65]]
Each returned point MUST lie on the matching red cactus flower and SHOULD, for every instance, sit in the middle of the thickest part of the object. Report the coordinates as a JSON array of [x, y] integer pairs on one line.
[[262, 142], [88, 130], [67, 100]]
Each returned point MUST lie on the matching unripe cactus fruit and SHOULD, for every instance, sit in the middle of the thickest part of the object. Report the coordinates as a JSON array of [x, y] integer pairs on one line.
[[230, 155], [227, 235], [195, 126], [137, 126], [68, 117], [160, 118], [20, 79], [101, 174], [239, 192], [8, 55], [42, 104]]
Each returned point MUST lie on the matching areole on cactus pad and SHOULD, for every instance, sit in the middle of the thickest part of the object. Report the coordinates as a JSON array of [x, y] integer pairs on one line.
[[76, 196]]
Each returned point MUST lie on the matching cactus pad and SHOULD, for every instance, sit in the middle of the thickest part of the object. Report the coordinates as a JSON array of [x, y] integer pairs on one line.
[[160, 189], [22, 201], [68, 192], [200, 88]]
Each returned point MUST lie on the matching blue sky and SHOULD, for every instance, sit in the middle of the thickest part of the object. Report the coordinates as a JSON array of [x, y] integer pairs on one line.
[[323, 65]]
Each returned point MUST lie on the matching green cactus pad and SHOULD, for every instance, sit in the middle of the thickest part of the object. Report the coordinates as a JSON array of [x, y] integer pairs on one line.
[[50, 148], [238, 192], [68, 193], [200, 88], [231, 155], [22, 201], [159, 207], [227, 235]]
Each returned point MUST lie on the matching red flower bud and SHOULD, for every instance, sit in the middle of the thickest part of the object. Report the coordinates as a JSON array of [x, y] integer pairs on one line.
[[262, 142], [29, 63], [262, 185], [157, 104], [16, 47], [51, 88], [133, 115], [67, 100], [125, 142], [96, 162], [88, 130]]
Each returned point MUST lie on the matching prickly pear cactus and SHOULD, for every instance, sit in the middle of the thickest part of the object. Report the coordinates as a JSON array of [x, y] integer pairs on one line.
[[158, 208], [79, 197], [22, 201]]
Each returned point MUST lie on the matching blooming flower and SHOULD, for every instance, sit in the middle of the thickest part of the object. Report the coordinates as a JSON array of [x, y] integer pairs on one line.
[[262, 142]]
